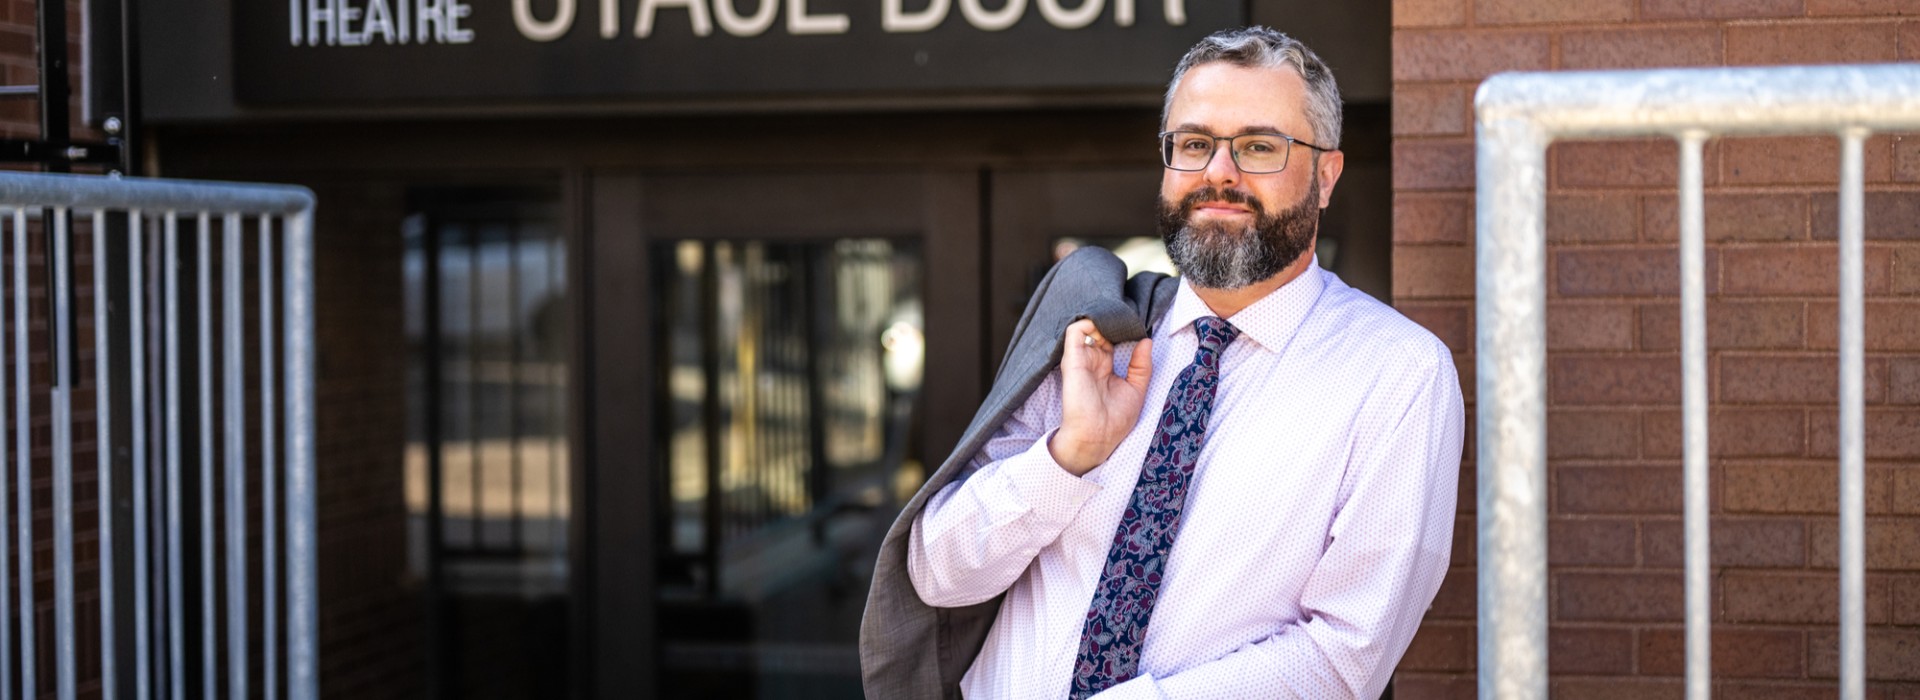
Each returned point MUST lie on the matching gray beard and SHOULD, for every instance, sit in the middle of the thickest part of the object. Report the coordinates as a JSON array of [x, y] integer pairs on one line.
[[1218, 256]]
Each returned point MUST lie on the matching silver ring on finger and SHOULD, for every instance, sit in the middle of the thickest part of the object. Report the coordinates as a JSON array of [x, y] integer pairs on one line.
[[1086, 340]]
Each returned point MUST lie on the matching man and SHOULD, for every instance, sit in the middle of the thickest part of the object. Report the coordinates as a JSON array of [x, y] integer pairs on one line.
[[1257, 500]]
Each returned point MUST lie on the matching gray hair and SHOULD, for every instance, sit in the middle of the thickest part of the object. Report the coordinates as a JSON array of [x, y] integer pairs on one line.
[[1262, 47]]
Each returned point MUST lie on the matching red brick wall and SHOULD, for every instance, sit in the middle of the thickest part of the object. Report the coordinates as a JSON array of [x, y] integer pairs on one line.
[[1613, 334], [373, 634], [20, 116]]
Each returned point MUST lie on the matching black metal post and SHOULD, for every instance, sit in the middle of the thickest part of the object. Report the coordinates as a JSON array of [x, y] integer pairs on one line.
[[712, 510], [436, 511], [54, 112], [816, 312]]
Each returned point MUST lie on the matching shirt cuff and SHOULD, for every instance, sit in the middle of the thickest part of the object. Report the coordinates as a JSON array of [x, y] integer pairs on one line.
[[1053, 493], [1141, 687]]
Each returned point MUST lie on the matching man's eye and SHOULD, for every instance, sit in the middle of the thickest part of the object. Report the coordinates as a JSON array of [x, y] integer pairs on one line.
[[1260, 147], [1196, 144]]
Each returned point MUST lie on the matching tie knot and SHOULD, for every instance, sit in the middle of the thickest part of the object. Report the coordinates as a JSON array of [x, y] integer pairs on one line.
[[1215, 335]]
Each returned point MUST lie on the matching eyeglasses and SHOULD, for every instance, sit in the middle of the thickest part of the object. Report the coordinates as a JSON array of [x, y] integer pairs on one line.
[[1255, 153]]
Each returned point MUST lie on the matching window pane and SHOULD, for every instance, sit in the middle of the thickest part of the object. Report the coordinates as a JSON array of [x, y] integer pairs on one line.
[[790, 371], [487, 330]]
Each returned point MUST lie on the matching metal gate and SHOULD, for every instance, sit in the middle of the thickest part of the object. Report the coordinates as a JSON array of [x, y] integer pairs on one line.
[[167, 595], [1517, 116]]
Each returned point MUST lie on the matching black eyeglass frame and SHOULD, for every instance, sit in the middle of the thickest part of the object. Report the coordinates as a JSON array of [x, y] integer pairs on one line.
[[1166, 152]]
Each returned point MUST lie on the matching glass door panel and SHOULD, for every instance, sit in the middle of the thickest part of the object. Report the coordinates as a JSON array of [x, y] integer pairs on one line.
[[487, 459], [777, 360]]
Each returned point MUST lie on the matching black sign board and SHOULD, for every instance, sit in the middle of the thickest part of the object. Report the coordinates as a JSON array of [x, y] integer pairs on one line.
[[335, 51]]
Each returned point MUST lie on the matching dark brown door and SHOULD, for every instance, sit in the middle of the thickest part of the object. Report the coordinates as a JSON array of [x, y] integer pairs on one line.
[[775, 362], [1040, 215]]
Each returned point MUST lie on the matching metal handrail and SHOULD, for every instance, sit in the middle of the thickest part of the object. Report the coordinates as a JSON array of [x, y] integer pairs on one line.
[[1517, 116], [32, 190], [133, 204]]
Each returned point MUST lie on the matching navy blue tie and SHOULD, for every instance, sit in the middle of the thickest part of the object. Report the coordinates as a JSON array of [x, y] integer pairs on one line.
[[1123, 601]]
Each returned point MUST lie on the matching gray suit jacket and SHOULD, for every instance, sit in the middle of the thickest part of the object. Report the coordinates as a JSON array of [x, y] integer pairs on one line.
[[911, 650]]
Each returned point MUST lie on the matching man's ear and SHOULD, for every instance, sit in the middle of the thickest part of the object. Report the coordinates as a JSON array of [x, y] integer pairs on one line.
[[1332, 163]]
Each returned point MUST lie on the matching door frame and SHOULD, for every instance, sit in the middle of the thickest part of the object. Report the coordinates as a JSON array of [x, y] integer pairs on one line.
[[625, 212]]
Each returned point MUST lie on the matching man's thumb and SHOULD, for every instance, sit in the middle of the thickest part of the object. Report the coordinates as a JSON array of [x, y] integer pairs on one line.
[[1140, 366]]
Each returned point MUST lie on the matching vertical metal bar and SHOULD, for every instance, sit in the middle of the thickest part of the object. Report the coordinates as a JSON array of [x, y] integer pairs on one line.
[[1693, 361], [515, 517], [115, 357], [763, 440], [6, 614], [61, 395], [556, 381], [711, 514], [23, 452], [203, 286], [136, 344], [153, 421], [1510, 301], [103, 451], [752, 498], [233, 358], [791, 474], [176, 566], [269, 510], [1853, 630], [302, 605], [435, 424], [816, 291], [476, 466]]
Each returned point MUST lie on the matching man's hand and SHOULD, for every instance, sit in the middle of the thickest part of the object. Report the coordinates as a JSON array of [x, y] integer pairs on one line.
[[1098, 408]]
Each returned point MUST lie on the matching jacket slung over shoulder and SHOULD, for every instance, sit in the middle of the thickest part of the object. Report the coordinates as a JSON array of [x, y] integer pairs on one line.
[[910, 650]]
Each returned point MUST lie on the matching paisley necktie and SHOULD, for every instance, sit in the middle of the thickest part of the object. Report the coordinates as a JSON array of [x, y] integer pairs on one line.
[[1123, 601]]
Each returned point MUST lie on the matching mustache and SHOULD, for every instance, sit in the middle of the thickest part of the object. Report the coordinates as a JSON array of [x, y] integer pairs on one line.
[[1210, 193]]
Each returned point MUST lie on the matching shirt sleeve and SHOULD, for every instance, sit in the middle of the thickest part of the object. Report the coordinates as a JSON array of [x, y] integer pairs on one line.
[[1389, 550], [977, 536]]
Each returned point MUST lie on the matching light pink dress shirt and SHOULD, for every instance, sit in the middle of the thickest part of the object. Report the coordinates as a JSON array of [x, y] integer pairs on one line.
[[1315, 533]]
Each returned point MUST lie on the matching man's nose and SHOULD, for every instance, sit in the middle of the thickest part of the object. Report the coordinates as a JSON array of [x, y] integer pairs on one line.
[[1221, 170]]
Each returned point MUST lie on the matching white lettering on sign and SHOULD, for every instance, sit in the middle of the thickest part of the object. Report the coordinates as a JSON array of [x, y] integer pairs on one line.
[[320, 23], [348, 16], [431, 20], [364, 22], [696, 12], [379, 22], [537, 30], [457, 11], [733, 23], [1085, 14], [799, 22], [293, 17], [894, 19], [992, 20]]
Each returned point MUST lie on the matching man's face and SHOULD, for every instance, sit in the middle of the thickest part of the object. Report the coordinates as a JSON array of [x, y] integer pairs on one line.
[[1231, 228]]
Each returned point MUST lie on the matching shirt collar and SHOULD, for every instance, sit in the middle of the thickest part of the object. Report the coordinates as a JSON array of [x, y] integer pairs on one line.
[[1271, 321]]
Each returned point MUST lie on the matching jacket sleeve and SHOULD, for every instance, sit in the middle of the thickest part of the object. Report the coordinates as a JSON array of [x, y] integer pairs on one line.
[[977, 536]]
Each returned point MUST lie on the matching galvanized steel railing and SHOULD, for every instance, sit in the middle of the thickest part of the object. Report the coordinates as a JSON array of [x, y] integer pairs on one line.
[[1517, 116], [131, 209]]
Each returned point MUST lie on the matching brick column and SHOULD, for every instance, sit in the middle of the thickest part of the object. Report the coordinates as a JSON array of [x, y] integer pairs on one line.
[[1613, 336]]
